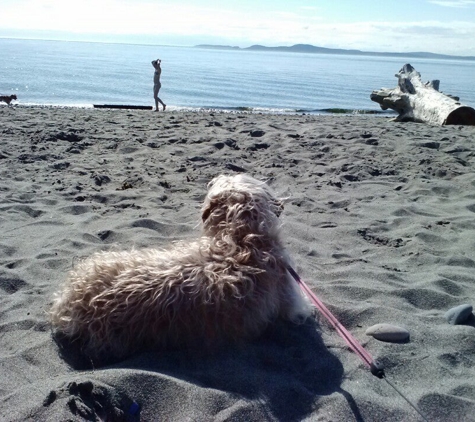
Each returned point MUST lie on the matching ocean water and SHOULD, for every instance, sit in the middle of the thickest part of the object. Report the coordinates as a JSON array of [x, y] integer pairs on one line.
[[82, 74]]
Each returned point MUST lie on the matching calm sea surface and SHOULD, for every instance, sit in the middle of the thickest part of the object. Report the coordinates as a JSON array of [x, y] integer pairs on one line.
[[82, 74]]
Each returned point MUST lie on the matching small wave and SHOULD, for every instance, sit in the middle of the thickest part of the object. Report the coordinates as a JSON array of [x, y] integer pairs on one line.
[[223, 109], [272, 110], [240, 109], [243, 109], [354, 111], [38, 105]]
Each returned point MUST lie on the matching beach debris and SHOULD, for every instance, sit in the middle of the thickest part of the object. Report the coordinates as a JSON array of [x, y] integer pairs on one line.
[[416, 101], [125, 185], [60, 165], [197, 158], [232, 143], [50, 399], [70, 136], [458, 314], [389, 333], [214, 123], [258, 146], [257, 133], [431, 145], [100, 179], [371, 141], [123, 106], [234, 167]]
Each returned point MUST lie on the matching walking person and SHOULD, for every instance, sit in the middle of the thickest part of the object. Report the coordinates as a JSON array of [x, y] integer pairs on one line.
[[156, 84]]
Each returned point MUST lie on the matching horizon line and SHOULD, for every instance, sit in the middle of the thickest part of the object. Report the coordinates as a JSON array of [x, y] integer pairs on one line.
[[225, 46]]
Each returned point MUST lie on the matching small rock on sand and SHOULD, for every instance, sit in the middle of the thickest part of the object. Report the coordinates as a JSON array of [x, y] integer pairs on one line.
[[459, 314], [389, 333]]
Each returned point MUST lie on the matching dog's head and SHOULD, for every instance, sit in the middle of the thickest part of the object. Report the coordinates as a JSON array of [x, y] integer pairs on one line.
[[13, 97], [241, 205]]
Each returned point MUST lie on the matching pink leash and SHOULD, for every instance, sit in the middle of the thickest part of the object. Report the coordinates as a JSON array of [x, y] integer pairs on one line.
[[375, 367]]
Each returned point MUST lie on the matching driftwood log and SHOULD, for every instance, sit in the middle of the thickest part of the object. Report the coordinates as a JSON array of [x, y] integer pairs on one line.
[[422, 102]]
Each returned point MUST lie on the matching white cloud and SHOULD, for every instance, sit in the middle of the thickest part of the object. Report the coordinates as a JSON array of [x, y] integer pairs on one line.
[[453, 3], [113, 16], [164, 20]]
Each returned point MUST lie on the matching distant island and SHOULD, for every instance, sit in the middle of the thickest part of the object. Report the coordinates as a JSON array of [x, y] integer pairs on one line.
[[307, 48]]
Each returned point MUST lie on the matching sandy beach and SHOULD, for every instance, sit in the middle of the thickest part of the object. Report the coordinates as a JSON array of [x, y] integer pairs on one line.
[[380, 223]]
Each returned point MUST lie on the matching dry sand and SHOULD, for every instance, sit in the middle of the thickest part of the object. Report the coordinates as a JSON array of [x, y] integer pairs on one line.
[[380, 223]]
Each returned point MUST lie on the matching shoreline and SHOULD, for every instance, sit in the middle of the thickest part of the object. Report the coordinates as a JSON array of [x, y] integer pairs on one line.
[[379, 221], [230, 110]]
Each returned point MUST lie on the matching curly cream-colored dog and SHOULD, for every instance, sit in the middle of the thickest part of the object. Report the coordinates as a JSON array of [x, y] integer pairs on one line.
[[226, 286]]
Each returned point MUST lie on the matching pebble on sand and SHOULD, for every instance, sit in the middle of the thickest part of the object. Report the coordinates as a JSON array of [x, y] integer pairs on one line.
[[389, 333], [459, 314]]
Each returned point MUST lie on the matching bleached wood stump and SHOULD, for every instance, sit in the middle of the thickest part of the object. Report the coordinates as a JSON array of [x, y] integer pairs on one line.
[[422, 102]]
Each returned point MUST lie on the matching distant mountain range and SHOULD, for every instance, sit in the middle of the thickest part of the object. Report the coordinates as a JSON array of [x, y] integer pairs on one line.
[[307, 48]]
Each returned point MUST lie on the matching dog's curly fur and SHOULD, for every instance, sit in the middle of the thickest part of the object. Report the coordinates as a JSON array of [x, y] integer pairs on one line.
[[228, 285]]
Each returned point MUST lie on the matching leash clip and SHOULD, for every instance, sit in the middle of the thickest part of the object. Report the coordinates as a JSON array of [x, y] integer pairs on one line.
[[377, 369]]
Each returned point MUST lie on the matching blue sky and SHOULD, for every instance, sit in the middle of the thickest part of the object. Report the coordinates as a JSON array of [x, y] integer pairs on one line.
[[439, 26]]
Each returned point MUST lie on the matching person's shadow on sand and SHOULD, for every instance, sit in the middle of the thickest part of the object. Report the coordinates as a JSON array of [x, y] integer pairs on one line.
[[282, 374]]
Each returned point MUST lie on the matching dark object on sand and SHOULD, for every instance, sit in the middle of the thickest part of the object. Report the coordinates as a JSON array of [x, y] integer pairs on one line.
[[124, 107], [459, 315], [416, 101], [7, 98]]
